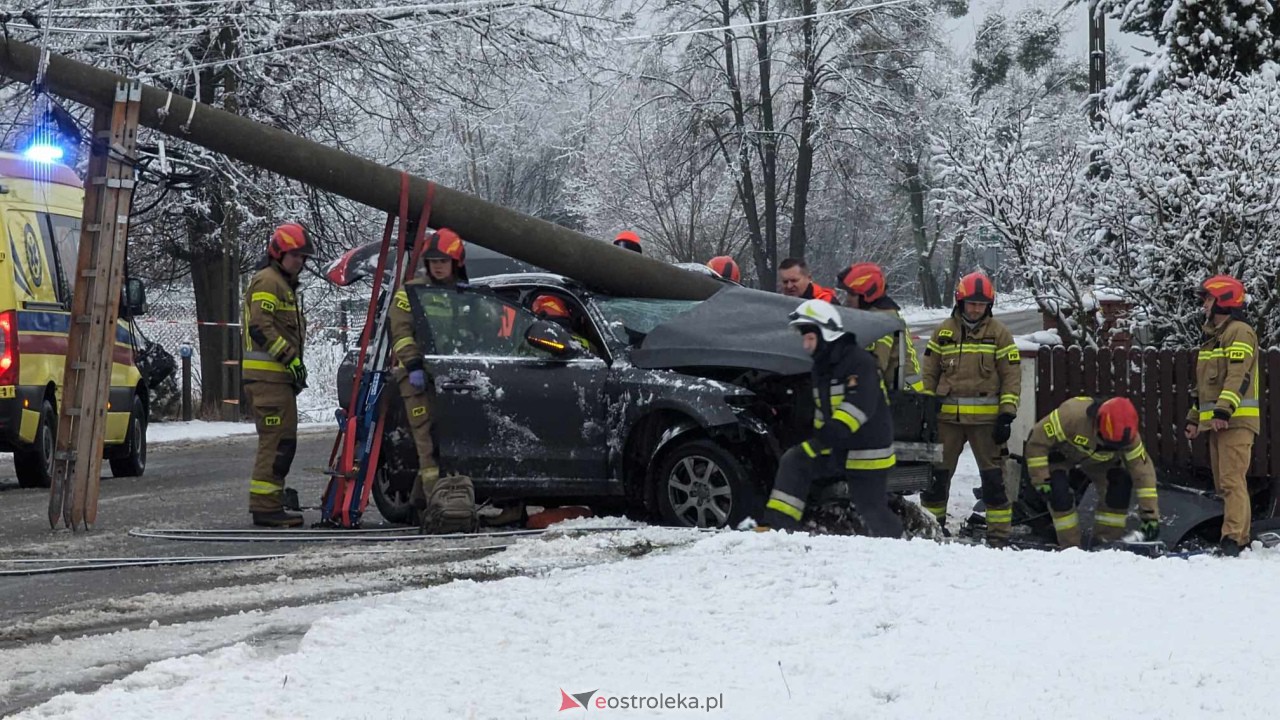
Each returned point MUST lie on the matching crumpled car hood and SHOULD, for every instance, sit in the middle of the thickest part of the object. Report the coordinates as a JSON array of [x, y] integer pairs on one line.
[[747, 329]]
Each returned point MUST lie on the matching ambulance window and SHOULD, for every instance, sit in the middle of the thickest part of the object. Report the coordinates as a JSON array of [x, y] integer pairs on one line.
[[66, 244]]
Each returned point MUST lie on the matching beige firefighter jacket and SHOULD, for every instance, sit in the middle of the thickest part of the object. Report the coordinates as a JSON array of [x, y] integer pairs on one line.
[[977, 372], [273, 327], [1227, 377], [1071, 434]]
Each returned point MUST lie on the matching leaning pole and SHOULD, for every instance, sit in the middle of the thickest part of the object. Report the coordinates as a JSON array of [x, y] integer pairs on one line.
[[511, 233]]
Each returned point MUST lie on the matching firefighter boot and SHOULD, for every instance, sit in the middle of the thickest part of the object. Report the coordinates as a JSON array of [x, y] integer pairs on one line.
[[934, 499], [999, 509], [277, 519]]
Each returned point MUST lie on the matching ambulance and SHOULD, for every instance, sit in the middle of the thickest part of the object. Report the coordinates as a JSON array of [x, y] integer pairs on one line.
[[40, 209]]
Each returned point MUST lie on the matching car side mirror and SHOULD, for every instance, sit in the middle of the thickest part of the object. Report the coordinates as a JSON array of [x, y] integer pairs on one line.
[[135, 294], [552, 338]]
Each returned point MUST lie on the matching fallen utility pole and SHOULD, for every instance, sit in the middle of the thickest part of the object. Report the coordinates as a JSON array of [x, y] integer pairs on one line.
[[511, 233]]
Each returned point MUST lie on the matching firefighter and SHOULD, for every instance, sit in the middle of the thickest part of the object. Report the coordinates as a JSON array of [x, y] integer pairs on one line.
[[972, 363], [1103, 440], [552, 308], [272, 369], [865, 289], [796, 281], [853, 430], [444, 258], [1226, 403], [725, 267], [628, 240]]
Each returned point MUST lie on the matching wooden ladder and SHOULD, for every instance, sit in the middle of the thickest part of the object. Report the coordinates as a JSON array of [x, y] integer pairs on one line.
[[95, 306]]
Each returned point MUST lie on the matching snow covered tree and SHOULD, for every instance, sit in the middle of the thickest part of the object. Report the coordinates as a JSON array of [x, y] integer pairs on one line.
[[1193, 190], [1221, 39]]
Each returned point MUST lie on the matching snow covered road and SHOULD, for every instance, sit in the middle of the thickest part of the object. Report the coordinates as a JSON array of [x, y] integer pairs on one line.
[[772, 625]]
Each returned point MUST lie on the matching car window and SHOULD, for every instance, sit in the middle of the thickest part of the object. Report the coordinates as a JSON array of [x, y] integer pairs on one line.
[[632, 318], [471, 323]]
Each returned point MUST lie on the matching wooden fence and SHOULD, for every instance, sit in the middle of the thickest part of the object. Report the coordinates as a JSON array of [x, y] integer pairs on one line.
[[1159, 382]]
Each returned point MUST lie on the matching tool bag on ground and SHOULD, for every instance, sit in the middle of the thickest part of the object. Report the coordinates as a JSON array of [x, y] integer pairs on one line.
[[451, 507]]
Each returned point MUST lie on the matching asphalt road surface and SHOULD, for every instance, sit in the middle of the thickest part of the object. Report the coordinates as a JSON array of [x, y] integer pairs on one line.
[[202, 484]]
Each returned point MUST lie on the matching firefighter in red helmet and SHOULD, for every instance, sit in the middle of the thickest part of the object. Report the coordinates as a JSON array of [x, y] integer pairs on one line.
[[1226, 403], [725, 267], [272, 370], [444, 259], [628, 240], [1103, 440], [973, 364], [865, 289]]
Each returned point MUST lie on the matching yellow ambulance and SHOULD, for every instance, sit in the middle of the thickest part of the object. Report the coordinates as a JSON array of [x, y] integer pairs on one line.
[[40, 209]]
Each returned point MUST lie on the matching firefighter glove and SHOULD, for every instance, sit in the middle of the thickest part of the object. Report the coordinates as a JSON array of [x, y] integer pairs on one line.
[[299, 373], [418, 379], [1150, 530], [1003, 429]]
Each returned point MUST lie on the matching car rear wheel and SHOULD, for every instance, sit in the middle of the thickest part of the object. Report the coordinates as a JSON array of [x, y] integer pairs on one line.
[[391, 493], [135, 462], [34, 467], [700, 484]]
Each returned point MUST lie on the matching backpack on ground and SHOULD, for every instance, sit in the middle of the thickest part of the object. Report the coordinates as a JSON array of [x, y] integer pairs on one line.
[[451, 507]]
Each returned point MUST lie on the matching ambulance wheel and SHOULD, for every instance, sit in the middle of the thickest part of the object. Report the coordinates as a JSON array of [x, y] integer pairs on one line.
[[135, 462], [34, 467]]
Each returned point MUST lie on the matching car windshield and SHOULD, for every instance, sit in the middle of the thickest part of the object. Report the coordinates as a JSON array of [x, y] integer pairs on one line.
[[630, 319]]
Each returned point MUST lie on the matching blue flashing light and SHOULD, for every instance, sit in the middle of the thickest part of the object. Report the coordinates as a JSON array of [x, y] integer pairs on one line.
[[43, 152]]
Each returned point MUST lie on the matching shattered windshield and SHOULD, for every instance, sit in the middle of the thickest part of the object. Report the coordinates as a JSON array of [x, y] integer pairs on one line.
[[630, 319]]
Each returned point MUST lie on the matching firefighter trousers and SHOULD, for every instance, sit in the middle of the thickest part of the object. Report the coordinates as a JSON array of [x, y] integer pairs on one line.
[[417, 410], [989, 456], [1114, 486], [1229, 455], [796, 474], [275, 415]]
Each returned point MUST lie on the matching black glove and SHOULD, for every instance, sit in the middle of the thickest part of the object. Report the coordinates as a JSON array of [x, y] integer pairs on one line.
[[1150, 530], [1003, 429]]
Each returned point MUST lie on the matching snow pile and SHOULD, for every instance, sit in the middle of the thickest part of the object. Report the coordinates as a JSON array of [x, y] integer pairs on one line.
[[774, 626]]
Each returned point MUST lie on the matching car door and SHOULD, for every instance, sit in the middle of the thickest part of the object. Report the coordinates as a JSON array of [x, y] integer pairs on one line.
[[507, 410]]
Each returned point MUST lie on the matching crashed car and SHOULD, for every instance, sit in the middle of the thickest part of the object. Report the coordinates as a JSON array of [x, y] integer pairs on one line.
[[678, 409]]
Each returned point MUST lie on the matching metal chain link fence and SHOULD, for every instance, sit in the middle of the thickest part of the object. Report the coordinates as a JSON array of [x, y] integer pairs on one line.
[[171, 323]]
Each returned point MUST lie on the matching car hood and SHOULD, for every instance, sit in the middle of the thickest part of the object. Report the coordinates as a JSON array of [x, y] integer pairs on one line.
[[743, 328]]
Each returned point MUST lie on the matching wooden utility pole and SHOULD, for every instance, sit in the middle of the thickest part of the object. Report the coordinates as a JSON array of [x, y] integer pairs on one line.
[[95, 304], [1097, 62]]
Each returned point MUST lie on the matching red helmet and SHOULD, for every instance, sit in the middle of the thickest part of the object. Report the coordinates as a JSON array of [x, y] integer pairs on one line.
[[628, 240], [446, 244], [287, 238], [1226, 291], [550, 306], [1118, 422], [866, 280], [725, 267], [975, 287]]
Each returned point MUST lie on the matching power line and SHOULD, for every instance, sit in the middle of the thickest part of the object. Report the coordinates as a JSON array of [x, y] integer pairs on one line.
[[105, 13], [760, 23], [336, 41]]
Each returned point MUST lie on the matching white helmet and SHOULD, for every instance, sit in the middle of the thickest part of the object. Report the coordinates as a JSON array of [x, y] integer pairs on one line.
[[821, 314]]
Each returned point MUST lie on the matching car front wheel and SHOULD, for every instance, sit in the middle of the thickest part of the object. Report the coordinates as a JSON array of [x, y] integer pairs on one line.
[[701, 484]]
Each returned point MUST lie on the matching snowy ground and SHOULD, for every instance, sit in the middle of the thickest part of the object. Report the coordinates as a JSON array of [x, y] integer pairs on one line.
[[196, 430], [766, 625]]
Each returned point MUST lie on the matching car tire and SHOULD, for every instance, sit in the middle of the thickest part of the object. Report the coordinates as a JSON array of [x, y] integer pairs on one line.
[[34, 467], [391, 493], [134, 463], [698, 483]]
